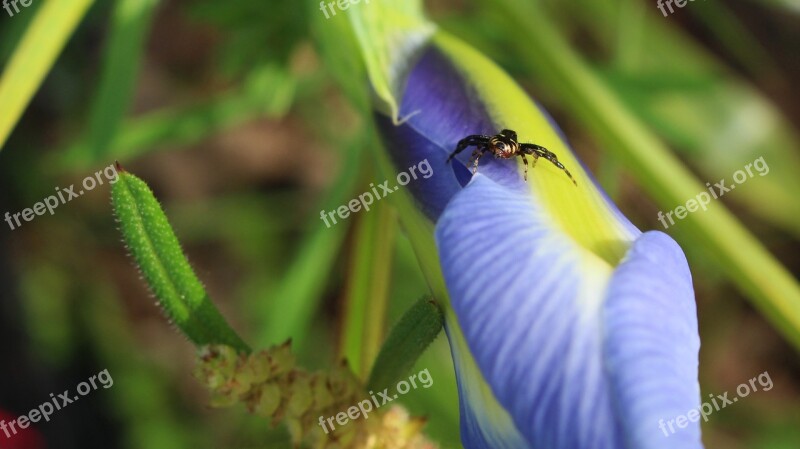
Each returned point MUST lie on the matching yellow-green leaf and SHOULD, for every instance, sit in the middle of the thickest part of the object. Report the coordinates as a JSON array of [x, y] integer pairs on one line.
[[35, 55]]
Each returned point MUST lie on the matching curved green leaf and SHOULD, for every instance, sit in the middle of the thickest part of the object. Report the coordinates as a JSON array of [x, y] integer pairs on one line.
[[159, 256]]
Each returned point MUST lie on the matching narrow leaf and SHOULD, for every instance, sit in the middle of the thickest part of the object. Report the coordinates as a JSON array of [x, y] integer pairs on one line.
[[130, 23], [368, 287], [409, 338], [159, 256], [34, 57]]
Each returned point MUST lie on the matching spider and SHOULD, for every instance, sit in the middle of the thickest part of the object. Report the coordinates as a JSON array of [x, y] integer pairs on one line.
[[505, 146]]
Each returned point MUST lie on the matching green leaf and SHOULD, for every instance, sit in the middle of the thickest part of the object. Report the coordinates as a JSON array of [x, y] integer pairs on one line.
[[34, 57], [415, 331], [158, 255], [13, 30], [390, 33], [129, 26], [368, 287]]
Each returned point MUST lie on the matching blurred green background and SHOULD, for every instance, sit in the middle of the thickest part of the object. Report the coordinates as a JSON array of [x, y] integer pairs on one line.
[[244, 119]]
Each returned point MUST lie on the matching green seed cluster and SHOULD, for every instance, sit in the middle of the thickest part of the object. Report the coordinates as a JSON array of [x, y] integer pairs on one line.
[[270, 385]]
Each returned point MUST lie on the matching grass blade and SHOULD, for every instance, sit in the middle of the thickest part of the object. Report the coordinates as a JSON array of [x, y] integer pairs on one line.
[[368, 288], [34, 57], [130, 23]]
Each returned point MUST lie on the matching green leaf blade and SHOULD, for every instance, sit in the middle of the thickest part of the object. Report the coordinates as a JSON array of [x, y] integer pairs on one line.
[[367, 294], [129, 26], [35, 55], [415, 331], [158, 254]]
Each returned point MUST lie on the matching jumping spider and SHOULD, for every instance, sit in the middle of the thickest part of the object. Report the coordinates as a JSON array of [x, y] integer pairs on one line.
[[505, 146]]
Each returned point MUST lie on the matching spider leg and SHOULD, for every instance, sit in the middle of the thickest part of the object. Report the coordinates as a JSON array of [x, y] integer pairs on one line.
[[552, 158], [539, 151], [474, 140], [525, 161], [533, 149], [476, 156]]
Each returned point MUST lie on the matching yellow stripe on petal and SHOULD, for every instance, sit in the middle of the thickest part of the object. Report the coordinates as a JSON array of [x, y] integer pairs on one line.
[[580, 211]]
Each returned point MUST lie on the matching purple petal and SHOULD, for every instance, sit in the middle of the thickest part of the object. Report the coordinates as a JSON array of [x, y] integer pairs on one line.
[[651, 343], [440, 108], [543, 319]]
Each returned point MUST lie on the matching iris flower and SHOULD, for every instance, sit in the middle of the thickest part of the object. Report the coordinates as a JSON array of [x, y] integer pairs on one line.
[[569, 327]]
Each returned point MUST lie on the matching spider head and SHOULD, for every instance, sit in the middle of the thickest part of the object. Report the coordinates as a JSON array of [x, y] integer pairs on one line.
[[504, 145]]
